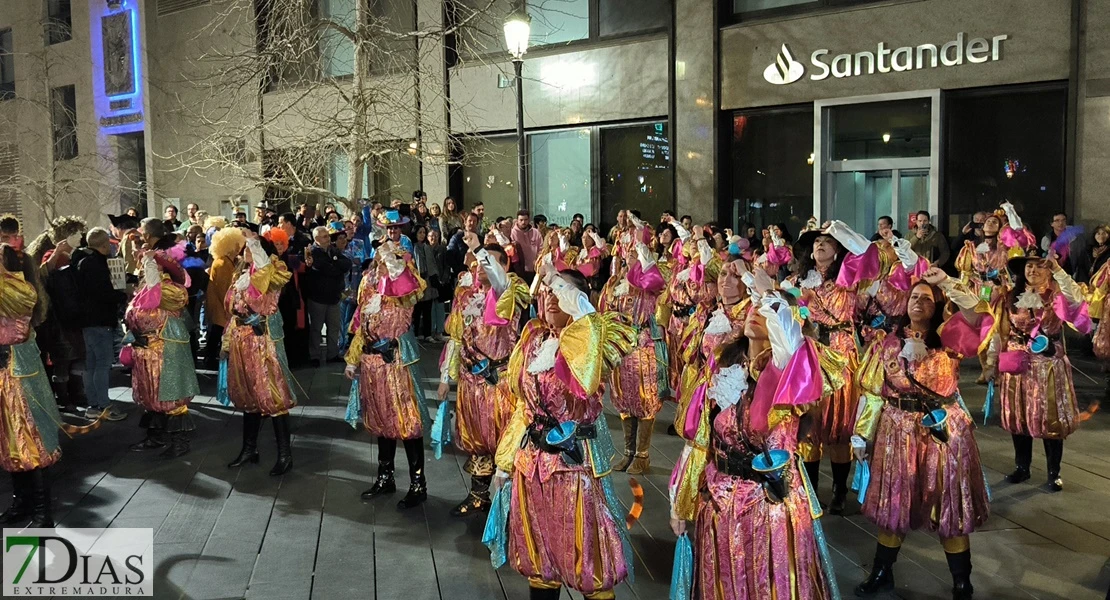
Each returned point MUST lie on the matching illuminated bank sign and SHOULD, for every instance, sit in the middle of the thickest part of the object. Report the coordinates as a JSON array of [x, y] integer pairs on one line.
[[117, 82], [786, 69]]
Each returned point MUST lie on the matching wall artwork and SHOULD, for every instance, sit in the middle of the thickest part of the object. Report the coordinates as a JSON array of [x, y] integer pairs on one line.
[[119, 75]]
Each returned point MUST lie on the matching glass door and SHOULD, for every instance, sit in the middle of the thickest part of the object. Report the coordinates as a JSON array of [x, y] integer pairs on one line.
[[859, 198]]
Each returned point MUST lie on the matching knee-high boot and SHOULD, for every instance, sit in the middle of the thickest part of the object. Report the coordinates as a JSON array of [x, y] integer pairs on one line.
[[881, 578], [535, 593], [155, 425], [959, 564], [41, 514], [1054, 454], [813, 471], [284, 452], [180, 429], [840, 486], [418, 484], [478, 500], [641, 464], [384, 484], [20, 508], [621, 461], [1023, 455], [251, 423]]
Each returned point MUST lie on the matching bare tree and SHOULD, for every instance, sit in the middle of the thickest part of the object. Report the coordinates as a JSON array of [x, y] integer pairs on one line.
[[319, 85]]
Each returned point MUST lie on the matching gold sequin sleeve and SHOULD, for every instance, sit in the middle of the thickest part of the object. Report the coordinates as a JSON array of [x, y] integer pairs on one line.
[[871, 375], [174, 296], [272, 277], [832, 364], [518, 424], [594, 345], [17, 297], [964, 260], [513, 299]]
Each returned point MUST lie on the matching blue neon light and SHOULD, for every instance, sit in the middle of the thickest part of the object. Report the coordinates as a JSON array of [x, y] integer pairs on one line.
[[134, 53], [135, 95]]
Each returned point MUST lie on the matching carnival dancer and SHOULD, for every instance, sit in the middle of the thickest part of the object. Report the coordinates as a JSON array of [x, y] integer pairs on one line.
[[756, 518], [982, 264], [677, 305], [382, 356], [29, 419], [563, 523], [1035, 388], [259, 382], [483, 329], [833, 262], [883, 301], [700, 279], [1100, 310], [925, 471], [640, 384], [163, 379]]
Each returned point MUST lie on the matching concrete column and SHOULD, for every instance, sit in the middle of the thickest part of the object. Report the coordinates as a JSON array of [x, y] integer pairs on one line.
[[433, 101], [695, 118], [1092, 179]]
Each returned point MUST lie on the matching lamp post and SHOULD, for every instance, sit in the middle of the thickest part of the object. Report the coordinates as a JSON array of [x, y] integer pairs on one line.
[[518, 26]]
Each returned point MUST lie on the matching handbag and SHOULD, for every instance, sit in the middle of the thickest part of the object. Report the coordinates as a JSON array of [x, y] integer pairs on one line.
[[1014, 362]]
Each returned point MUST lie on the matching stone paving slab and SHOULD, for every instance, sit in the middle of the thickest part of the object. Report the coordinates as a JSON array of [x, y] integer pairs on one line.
[[223, 533]]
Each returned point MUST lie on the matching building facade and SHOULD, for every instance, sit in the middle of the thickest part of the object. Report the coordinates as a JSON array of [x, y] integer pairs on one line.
[[738, 111]]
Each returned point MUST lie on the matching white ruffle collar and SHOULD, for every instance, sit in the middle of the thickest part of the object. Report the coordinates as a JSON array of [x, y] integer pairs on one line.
[[718, 323], [811, 281], [544, 358], [728, 385]]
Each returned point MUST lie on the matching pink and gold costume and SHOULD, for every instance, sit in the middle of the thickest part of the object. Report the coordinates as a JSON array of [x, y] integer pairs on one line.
[[640, 383], [259, 380], [163, 378], [564, 526], [1100, 310]]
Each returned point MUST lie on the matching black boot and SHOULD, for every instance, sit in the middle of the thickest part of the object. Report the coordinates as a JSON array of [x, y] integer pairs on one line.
[[1023, 455], [881, 578], [418, 486], [813, 471], [543, 593], [41, 515], [1054, 454], [384, 484], [156, 438], [840, 486], [21, 506], [179, 428], [960, 566], [477, 500], [249, 453], [285, 453]]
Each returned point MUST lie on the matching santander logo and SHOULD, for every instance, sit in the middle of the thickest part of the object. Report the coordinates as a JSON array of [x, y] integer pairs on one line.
[[785, 69]]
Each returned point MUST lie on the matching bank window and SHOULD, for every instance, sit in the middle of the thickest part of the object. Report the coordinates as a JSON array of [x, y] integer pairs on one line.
[[771, 174], [7, 66], [559, 177], [337, 51], [1005, 144], [489, 174], [635, 170], [64, 118], [747, 9], [898, 129], [59, 21]]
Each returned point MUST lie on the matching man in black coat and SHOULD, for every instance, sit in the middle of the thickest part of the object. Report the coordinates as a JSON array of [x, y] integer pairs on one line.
[[98, 320], [323, 288]]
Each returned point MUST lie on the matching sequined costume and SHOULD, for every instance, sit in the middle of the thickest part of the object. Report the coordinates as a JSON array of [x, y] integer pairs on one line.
[[382, 358], [753, 541], [1035, 390], [163, 379], [483, 330], [564, 525], [640, 383], [29, 419], [259, 382], [1100, 310]]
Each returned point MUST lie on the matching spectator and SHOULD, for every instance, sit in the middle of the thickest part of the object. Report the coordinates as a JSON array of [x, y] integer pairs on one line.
[[927, 242], [420, 215], [171, 218], [241, 221], [886, 230], [434, 214], [480, 210], [426, 264], [227, 243], [457, 248], [451, 220], [99, 320], [666, 216], [298, 241], [529, 240], [1063, 250], [540, 223], [323, 288], [973, 231], [446, 285], [307, 219], [354, 250], [195, 264], [1094, 255], [191, 210], [687, 222], [575, 235]]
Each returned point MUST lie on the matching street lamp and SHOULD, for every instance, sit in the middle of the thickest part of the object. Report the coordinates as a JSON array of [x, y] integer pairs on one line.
[[518, 27]]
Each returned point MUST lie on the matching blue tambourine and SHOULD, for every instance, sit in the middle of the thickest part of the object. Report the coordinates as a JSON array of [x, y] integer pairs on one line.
[[878, 321], [772, 465], [936, 421], [992, 273], [1039, 344], [563, 438]]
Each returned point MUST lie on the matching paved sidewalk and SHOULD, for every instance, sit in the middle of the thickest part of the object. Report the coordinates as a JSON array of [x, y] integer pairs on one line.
[[222, 533]]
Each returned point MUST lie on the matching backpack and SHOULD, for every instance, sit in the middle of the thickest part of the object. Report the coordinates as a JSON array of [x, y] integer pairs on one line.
[[63, 287]]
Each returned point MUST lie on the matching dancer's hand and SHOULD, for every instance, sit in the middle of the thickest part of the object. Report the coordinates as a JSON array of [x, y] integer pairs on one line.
[[350, 372], [860, 454], [678, 526], [443, 390], [499, 479]]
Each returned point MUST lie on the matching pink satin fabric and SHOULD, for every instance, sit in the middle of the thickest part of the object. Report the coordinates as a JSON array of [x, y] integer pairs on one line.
[[856, 268], [650, 281], [1012, 238], [798, 384], [963, 337]]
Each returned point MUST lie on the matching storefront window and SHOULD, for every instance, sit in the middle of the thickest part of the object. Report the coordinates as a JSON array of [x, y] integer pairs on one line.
[[756, 8], [489, 174], [559, 177], [898, 129], [635, 171], [559, 21], [771, 172], [618, 17], [1005, 145]]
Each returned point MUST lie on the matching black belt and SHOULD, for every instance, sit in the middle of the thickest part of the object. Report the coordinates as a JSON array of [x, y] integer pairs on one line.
[[491, 373], [683, 310], [919, 404], [385, 350], [5, 356], [140, 340], [537, 433], [736, 464], [259, 327]]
